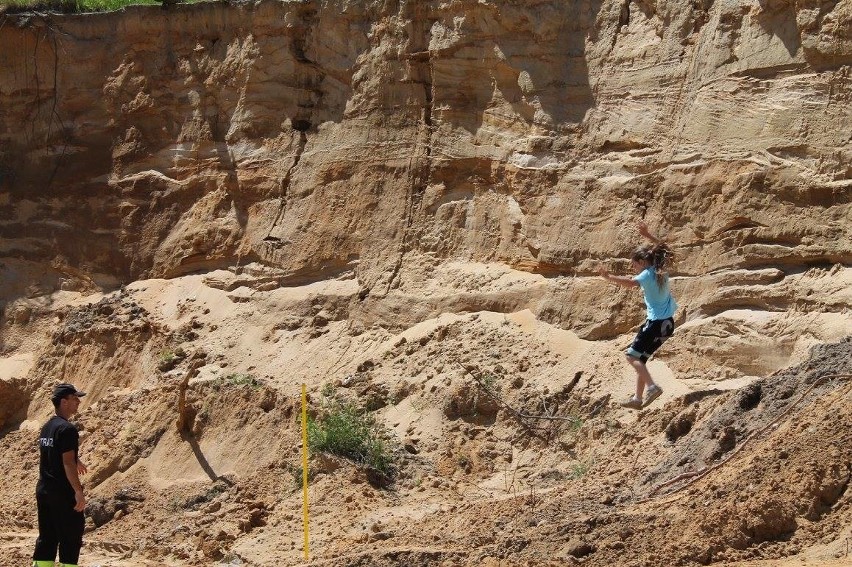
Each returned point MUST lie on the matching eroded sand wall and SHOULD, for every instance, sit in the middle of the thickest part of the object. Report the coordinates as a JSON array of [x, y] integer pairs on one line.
[[387, 138]]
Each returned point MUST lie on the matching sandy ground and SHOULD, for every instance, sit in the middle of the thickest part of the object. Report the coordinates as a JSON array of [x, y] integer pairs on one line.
[[510, 447]]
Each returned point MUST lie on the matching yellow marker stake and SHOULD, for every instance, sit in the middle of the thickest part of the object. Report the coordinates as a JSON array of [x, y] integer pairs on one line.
[[305, 463]]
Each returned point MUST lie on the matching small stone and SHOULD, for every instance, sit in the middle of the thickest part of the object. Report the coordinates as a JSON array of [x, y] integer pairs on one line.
[[380, 536]]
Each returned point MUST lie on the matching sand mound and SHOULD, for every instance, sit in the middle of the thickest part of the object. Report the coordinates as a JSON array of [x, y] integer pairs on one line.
[[508, 443]]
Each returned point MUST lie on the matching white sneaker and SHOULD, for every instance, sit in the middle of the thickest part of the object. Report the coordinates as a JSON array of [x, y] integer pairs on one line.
[[652, 393]]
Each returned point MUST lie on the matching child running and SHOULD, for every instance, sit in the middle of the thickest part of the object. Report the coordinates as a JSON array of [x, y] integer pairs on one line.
[[650, 264]]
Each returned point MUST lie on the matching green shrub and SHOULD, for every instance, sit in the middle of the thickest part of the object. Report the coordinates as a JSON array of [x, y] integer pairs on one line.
[[328, 391], [296, 473], [579, 469], [346, 431], [574, 424], [72, 6], [168, 360], [212, 492], [78, 6], [238, 379], [489, 381]]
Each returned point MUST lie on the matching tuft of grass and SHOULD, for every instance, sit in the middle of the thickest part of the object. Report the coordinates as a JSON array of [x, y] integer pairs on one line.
[[580, 469], [346, 431], [237, 380], [489, 380], [296, 474], [208, 495], [575, 424], [328, 391], [168, 360], [463, 461]]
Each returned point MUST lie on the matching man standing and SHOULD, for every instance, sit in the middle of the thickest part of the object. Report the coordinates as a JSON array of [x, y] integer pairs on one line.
[[59, 494]]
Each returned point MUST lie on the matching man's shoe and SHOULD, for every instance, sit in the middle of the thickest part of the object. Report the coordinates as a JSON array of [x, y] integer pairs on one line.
[[651, 394], [632, 403]]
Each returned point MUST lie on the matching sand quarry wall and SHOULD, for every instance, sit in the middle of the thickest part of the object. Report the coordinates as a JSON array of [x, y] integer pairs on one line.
[[332, 173], [384, 138]]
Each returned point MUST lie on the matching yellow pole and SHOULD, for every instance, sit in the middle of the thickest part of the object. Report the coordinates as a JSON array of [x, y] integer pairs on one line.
[[305, 464]]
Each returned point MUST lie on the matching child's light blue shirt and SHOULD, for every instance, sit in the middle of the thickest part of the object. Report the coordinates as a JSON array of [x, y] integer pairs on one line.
[[659, 301]]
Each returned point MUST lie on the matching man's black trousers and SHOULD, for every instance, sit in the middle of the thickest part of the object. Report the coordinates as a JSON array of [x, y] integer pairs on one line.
[[59, 526]]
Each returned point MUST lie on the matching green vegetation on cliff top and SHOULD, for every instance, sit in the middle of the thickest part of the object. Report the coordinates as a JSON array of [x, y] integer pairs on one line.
[[76, 6]]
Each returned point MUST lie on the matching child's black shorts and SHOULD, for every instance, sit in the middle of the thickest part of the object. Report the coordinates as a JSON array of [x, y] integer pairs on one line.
[[651, 335]]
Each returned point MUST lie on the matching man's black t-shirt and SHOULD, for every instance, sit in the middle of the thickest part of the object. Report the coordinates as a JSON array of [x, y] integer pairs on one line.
[[57, 436]]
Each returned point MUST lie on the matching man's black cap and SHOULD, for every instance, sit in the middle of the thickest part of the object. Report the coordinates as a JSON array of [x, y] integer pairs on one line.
[[60, 391]]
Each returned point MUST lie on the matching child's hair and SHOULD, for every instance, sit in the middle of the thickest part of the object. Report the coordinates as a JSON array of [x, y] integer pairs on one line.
[[659, 256]]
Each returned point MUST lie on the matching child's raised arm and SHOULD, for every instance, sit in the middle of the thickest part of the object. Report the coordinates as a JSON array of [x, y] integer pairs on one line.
[[644, 231], [623, 281]]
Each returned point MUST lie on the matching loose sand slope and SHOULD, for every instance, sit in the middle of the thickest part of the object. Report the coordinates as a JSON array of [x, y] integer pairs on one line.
[[477, 484]]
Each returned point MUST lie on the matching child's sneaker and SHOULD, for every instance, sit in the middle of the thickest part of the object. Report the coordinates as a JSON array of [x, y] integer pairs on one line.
[[652, 393], [632, 403]]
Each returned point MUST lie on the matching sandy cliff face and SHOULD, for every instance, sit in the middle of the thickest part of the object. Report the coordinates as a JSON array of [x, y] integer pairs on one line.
[[382, 140], [321, 137], [367, 193]]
